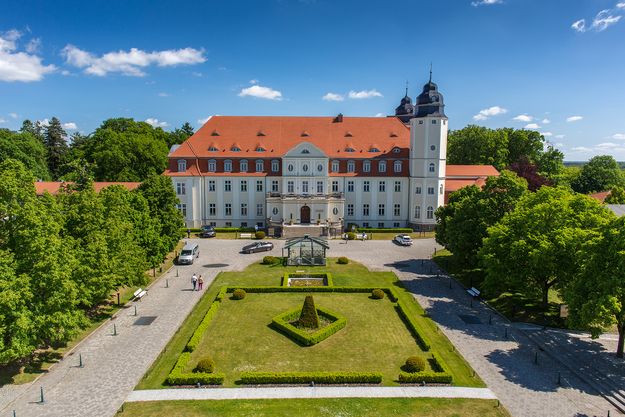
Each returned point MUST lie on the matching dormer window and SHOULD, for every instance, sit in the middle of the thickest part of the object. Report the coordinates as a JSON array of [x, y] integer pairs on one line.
[[243, 165], [348, 134], [396, 150], [235, 148], [393, 134], [305, 151], [374, 150], [350, 149], [228, 165], [182, 165], [260, 133], [305, 134], [212, 149], [260, 149], [215, 133]]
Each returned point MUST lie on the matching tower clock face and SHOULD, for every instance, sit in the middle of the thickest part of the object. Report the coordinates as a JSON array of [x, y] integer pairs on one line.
[[434, 98]]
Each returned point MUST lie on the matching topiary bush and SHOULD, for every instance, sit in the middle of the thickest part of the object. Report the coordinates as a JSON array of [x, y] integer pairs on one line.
[[342, 260], [205, 365], [377, 294], [351, 235], [238, 294], [309, 317], [414, 364], [270, 260], [259, 235]]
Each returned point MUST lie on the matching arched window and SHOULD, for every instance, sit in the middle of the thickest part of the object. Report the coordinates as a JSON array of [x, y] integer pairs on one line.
[[396, 150], [417, 212], [382, 166], [212, 165], [182, 165], [275, 165], [335, 166], [260, 165], [366, 166], [243, 165], [432, 167], [351, 166], [397, 166], [228, 165], [430, 212]]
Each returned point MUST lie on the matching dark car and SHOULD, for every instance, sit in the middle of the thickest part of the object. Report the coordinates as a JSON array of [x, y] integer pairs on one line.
[[257, 247], [207, 231]]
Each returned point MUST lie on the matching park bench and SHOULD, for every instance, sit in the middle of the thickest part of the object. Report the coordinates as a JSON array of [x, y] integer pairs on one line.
[[137, 295], [474, 292], [245, 235]]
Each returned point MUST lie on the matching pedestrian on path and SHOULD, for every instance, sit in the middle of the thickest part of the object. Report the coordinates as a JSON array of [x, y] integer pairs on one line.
[[200, 283], [364, 236], [194, 281]]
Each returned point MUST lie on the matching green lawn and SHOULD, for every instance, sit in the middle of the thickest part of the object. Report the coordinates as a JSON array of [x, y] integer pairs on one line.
[[330, 407], [239, 338]]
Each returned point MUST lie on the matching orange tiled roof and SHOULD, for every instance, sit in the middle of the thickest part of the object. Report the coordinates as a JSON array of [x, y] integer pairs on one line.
[[53, 187], [471, 171], [454, 185], [282, 133], [600, 196]]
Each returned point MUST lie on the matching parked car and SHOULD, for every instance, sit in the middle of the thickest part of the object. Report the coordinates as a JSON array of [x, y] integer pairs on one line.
[[404, 240], [257, 247], [189, 253], [207, 231]]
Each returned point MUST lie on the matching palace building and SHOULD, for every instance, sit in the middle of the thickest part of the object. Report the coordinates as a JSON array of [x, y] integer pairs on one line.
[[321, 173]]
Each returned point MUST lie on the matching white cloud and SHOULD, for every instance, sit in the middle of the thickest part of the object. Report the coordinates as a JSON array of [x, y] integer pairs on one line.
[[333, 97], [532, 126], [489, 112], [70, 126], [254, 81], [130, 62], [603, 20], [559, 145], [579, 26], [618, 136], [261, 92], [620, 5], [33, 46], [380, 115], [163, 94], [2, 120], [523, 118], [14, 115], [581, 149], [19, 66], [485, 2], [574, 119], [547, 134], [364, 94], [202, 121], [546, 121], [155, 122], [560, 136], [44, 122]]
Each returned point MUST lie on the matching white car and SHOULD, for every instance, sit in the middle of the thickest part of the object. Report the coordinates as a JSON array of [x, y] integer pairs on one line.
[[403, 240]]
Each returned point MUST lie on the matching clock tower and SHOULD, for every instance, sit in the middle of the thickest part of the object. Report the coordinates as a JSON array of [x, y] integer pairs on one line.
[[428, 154]]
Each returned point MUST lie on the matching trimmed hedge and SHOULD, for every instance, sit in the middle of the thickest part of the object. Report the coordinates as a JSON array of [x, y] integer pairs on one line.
[[414, 364], [234, 229], [351, 236], [390, 292], [176, 377], [281, 323], [259, 235], [390, 230], [199, 331], [422, 341], [253, 378], [271, 260], [223, 291], [287, 275], [427, 377]]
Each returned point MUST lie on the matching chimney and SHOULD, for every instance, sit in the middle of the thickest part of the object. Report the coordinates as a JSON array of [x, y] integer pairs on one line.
[[339, 118]]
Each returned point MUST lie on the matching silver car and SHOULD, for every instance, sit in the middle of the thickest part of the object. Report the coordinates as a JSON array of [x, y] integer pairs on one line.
[[404, 240]]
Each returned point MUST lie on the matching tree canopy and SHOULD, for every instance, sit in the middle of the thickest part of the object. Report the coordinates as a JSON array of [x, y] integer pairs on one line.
[[26, 148], [600, 174]]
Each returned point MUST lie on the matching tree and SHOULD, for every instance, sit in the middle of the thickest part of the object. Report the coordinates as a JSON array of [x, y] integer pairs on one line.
[[35, 129], [596, 297], [600, 174], [616, 196], [162, 201], [308, 317], [478, 145], [180, 135], [550, 164], [463, 223], [27, 149], [56, 145], [536, 246]]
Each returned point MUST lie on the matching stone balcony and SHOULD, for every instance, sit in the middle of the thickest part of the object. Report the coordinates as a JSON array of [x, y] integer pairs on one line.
[[292, 196]]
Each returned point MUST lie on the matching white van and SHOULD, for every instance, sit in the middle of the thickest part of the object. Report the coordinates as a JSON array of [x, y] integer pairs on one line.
[[188, 254]]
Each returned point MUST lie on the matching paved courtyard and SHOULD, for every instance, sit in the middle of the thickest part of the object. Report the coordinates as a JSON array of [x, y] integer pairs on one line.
[[115, 364]]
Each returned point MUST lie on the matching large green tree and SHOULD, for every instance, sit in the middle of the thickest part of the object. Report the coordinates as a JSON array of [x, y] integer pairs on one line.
[[162, 201], [537, 245], [26, 148], [596, 297], [616, 196], [56, 145], [600, 174], [464, 221]]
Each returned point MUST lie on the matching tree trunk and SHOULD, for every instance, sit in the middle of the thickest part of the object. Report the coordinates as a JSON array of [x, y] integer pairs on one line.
[[621, 340], [545, 302]]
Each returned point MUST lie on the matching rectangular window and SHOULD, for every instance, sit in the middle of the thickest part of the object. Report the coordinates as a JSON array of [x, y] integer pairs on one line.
[[183, 209], [243, 209], [259, 210], [381, 225], [380, 209], [397, 166], [228, 209], [417, 212], [335, 186], [319, 187], [417, 190], [211, 185], [350, 186], [396, 210], [365, 186], [398, 186], [243, 224], [181, 188], [228, 224], [351, 166], [243, 165], [433, 122], [350, 210], [366, 166], [274, 186], [382, 166], [259, 185], [260, 166], [227, 185], [365, 210], [243, 185], [305, 187], [182, 165], [335, 166], [396, 224], [212, 209], [430, 190], [212, 165], [365, 225], [214, 224], [228, 165], [275, 166], [290, 187], [382, 186]]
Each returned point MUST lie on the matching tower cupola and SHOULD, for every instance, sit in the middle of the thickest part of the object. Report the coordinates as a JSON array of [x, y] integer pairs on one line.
[[405, 110], [430, 101]]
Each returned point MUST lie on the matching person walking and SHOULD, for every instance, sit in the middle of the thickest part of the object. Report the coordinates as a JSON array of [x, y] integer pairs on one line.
[[200, 283], [194, 281]]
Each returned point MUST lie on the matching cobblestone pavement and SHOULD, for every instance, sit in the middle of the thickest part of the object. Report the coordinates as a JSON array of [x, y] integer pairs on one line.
[[523, 377], [309, 392], [115, 364]]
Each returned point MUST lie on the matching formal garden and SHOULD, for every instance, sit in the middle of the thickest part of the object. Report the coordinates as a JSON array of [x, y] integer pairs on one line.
[[349, 326]]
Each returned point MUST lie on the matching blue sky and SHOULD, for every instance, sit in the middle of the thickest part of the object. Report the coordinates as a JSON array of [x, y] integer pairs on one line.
[[552, 65]]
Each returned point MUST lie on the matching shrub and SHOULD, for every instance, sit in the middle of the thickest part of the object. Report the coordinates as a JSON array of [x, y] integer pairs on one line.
[[270, 260], [377, 294], [422, 341], [176, 377], [308, 377], [205, 365], [238, 294], [351, 235], [414, 364], [259, 235], [283, 324], [309, 317], [199, 331], [342, 260], [427, 377]]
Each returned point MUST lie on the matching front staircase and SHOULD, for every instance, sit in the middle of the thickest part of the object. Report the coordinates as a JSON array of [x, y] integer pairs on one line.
[[299, 230]]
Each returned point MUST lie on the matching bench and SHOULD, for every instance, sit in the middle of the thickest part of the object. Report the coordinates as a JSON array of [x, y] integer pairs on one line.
[[474, 292], [245, 235], [137, 295]]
